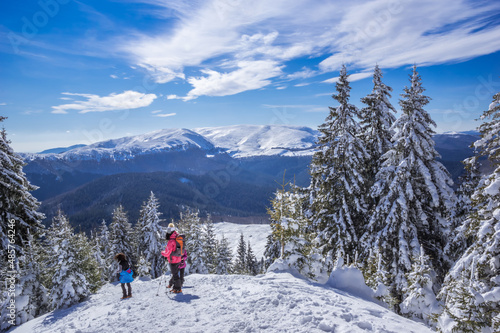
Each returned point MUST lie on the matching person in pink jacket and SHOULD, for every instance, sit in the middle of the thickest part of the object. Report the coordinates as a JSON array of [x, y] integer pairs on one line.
[[173, 252]]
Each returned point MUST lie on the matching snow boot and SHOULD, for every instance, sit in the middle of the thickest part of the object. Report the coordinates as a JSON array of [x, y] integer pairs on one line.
[[177, 291]]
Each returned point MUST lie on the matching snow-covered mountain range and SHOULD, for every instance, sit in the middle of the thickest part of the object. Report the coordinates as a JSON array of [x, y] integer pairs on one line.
[[237, 141]]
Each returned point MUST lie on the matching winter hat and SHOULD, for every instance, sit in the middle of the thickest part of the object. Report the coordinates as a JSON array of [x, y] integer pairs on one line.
[[171, 228]]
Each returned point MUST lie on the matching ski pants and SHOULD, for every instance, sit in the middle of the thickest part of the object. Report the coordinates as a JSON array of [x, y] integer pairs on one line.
[[175, 280], [129, 289]]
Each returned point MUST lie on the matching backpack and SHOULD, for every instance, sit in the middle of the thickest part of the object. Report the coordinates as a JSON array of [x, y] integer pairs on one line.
[[179, 250]]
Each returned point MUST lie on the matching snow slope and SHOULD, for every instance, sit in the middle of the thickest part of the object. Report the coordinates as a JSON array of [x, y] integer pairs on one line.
[[261, 140], [274, 302], [255, 233]]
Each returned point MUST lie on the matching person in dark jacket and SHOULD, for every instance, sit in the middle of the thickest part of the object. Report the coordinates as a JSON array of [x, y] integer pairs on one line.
[[124, 274]]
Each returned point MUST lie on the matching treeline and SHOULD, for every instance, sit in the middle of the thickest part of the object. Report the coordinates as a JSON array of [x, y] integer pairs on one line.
[[380, 201]]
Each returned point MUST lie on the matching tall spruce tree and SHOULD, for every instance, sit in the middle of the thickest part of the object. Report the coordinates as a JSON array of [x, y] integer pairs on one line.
[[18, 208], [210, 245], [191, 226], [337, 182], [150, 238], [251, 261], [106, 247], [224, 257], [471, 289], [414, 195], [240, 266], [289, 225], [376, 120], [120, 235], [18, 214], [69, 284]]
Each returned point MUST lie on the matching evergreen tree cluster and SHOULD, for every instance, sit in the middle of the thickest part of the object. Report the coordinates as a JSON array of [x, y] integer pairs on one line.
[[380, 200]]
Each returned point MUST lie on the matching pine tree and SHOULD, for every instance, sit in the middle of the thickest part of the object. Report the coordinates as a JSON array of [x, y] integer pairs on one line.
[[31, 292], [108, 263], [143, 267], [470, 292], [240, 266], [18, 213], [18, 206], [414, 195], [190, 225], [120, 235], [150, 236], [224, 257], [272, 251], [87, 262], [419, 299], [461, 238], [376, 121], [210, 246], [251, 261], [289, 225], [337, 183], [69, 285]]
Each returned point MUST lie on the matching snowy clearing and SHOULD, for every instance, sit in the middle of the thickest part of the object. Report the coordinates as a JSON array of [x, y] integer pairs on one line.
[[274, 302], [255, 233]]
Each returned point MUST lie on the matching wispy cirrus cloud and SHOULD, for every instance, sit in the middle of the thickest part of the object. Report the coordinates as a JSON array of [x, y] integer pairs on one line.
[[94, 103], [215, 37]]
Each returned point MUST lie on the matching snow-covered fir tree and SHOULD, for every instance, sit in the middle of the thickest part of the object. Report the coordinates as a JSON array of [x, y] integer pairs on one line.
[[87, 262], [18, 212], [143, 267], [120, 235], [414, 195], [251, 261], [461, 239], [31, 296], [377, 278], [210, 245], [240, 266], [150, 237], [337, 182], [106, 248], [272, 250], [289, 225], [376, 120], [471, 292], [419, 298], [191, 227], [18, 208], [224, 257], [68, 283]]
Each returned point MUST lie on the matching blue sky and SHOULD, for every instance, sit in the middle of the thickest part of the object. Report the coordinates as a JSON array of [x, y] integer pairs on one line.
[[84, 71]]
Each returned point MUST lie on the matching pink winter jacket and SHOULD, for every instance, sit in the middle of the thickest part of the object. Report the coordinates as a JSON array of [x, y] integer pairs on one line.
[[171, 247]]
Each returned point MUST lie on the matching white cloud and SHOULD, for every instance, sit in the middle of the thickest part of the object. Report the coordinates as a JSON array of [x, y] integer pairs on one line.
[[352, 77], [173, 97], [249, 75], [216, 35], [113, 76], [94, 103], [165, 115], [3, 103]]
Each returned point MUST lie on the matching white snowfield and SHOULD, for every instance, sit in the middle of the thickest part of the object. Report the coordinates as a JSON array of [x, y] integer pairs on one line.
[[273, 302], [256, 234]]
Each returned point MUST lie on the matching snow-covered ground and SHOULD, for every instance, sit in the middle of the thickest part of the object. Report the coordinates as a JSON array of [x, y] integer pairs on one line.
[[255, 233], [274, 302]]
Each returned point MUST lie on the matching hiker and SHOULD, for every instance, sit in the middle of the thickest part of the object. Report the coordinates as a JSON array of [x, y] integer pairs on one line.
[[124, 274], [173, 252], [182, 267]]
